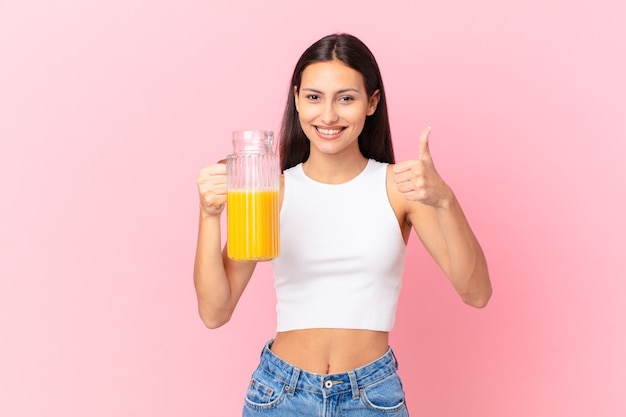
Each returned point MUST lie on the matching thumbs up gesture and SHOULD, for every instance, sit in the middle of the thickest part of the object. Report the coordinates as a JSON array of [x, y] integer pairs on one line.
[[418, 180]]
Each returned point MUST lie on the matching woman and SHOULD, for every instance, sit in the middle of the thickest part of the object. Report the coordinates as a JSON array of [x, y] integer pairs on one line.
[[346, 214]]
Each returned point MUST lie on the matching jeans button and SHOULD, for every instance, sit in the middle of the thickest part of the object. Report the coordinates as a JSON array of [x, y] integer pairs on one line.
[[328, 384]]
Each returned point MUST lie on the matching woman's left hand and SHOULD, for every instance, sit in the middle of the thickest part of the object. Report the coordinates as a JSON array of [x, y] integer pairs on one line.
[[418, 180]]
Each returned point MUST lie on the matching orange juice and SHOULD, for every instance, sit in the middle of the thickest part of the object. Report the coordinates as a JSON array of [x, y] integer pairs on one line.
[[252, 225]]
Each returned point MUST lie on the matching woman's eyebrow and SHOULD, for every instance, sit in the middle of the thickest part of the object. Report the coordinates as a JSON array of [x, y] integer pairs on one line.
[[312, 90], [343, 90]]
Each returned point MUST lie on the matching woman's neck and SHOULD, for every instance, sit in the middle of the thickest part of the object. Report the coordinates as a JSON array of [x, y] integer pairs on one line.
[[334, 169]]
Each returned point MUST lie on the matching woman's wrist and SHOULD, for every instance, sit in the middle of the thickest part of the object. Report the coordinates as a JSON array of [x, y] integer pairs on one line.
[[211, 212], [447, 200]]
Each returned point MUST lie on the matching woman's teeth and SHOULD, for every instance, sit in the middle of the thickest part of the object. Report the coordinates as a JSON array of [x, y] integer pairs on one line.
[[328, 131]]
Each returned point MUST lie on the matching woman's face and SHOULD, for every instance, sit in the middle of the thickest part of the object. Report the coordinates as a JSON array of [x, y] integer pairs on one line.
[[332, 106]]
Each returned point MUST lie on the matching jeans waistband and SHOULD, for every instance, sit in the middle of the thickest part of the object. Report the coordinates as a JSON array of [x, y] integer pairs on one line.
[[327, 384]]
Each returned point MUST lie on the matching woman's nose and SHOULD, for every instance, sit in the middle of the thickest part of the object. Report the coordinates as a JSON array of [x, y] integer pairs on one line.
[[329, 114]]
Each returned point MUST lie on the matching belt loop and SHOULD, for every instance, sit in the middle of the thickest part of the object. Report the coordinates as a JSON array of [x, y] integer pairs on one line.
[[291, 388], [395, 360], [354, 385], [267, 347]]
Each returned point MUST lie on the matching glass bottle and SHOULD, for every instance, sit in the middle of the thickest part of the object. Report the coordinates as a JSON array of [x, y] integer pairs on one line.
[[253, 183]]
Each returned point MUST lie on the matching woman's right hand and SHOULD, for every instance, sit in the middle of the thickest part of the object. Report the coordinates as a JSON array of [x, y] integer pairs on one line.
[[212, 188]]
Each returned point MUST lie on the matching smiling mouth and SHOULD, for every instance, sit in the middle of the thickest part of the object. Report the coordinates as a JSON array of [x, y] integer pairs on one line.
[[326, 131]]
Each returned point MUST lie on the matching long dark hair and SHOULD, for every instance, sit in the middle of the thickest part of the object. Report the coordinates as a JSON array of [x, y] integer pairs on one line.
[[375, 139]]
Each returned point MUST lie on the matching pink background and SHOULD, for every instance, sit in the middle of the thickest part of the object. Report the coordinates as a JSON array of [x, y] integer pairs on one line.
[[108, 109]]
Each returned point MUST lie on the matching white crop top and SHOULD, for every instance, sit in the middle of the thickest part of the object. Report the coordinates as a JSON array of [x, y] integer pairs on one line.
[[341, 253]]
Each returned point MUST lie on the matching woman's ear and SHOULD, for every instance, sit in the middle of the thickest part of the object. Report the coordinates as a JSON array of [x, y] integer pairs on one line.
[[295, 96], [373, 102]]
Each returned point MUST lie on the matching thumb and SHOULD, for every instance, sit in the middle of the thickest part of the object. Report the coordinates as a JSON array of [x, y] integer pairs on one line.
[[423, 144]]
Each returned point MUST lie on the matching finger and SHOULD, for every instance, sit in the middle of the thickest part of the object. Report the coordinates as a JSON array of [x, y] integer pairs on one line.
[[423, 144], [402, 166], [415, 170], [212, 170]]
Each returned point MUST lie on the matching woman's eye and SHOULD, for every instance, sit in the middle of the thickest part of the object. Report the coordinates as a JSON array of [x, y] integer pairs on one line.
[[346, 99], [312, 97]]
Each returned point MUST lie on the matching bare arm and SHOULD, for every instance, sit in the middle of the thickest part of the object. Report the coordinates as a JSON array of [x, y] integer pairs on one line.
[[219, 281], [447, 236], [437, 217]]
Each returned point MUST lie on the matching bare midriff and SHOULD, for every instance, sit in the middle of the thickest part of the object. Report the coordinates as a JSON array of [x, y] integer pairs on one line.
[[330, 351]]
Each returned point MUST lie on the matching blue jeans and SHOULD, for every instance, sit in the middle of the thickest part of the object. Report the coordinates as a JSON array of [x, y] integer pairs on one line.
[[278, 389]]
